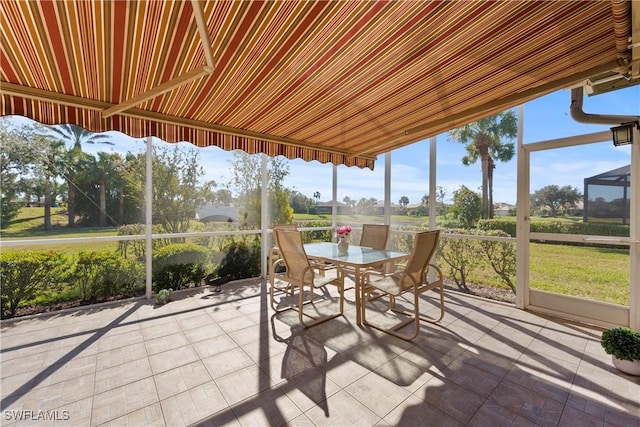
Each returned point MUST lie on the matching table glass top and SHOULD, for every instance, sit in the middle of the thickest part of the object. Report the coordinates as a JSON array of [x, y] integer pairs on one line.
[[356, 255]]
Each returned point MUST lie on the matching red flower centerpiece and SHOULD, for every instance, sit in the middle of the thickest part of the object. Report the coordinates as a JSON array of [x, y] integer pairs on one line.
[[343, 235]]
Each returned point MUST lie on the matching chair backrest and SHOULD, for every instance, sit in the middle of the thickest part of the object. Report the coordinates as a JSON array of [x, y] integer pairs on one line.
[[285, 227], [374, 236], [282, 227], [292, 251], [424, 247]]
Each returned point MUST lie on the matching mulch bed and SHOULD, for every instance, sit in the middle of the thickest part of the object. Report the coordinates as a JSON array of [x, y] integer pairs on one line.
[[489, 292]]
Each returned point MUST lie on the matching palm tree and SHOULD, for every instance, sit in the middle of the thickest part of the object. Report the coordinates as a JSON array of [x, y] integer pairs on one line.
[[52, 162], [403, 202], [107, 173], [77, 136], [483, 140]]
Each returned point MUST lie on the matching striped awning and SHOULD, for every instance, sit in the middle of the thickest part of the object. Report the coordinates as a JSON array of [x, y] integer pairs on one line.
[[333, 81]]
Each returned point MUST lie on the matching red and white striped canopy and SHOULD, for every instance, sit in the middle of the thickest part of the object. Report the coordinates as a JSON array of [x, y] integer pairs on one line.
[[334, 81]]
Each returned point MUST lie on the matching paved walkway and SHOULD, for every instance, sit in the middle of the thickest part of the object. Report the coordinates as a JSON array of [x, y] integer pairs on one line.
[[225, 359]]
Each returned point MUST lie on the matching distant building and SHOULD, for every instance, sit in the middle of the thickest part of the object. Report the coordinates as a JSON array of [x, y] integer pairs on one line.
[[326, 208], [209, 213], [504, 209]]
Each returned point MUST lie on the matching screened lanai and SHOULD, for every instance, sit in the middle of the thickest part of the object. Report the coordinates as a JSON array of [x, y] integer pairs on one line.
[[337, 82], [347, 84], [606, 196]]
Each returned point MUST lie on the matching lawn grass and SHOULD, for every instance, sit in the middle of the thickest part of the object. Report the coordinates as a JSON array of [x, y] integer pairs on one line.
[[591, 272], [29, 224], [601, 274]]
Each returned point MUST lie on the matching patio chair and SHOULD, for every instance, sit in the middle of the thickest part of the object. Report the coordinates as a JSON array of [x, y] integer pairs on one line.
[[301, 273], [373, 236], [412, 279], [277, 271]]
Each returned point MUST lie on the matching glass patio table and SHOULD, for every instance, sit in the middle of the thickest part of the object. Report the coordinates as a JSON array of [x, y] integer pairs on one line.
[[359, 258]]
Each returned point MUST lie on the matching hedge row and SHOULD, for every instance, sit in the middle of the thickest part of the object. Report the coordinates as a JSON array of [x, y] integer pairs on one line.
[[508, 225], [98, 276]]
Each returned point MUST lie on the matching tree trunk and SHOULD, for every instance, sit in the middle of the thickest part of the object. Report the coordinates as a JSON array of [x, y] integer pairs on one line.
[[71, 203], [102, 222], [47, 203], [492, 166], [121, 207], [484, 156]]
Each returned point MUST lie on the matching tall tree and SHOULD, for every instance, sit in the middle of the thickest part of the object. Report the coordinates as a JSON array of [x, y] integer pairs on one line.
[[176, 193], [484, 141], [16, 157], [76, 136], [247, 183], [466, 206], [555, 198], [48, 168], [403, 202]]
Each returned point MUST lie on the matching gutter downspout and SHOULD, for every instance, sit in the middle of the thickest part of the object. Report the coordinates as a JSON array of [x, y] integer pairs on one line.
[[578, 114]]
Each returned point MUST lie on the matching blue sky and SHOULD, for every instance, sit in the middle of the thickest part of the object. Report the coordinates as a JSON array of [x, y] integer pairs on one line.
[[545, 118]]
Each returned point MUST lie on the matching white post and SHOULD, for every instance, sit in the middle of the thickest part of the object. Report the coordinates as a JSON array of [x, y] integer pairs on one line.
[[264, 220], [334, 189], [634, 234], [433, 208], [522, 219], [148, 221], [387, 188]]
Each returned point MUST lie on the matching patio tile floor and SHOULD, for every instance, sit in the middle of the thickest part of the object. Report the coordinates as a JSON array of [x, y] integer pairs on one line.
[[211, 359]]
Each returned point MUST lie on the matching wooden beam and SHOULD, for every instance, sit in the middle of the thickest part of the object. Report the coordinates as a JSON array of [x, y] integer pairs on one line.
[[158, 90], [203, 29]]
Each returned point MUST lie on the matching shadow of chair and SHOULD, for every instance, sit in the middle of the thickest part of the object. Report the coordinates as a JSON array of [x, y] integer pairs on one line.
[[303, 364], [411, 279], [301, 273]]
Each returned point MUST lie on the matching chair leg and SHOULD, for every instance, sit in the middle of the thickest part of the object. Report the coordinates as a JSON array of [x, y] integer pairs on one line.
[[412, 317], [322, 319], [272, 289], [431, 319]]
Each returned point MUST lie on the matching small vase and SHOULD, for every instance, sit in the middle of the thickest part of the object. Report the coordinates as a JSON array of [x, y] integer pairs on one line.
[[343, 245]]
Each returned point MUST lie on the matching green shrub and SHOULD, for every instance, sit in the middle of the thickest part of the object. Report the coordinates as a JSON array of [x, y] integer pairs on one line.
[[508, 225], [622, 343], [102, 275], [449, 221], [461, 255], [8, 211], [137, 248], [501, 256], [23, 274], [179, 265], [242, 260], [316, 235]]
